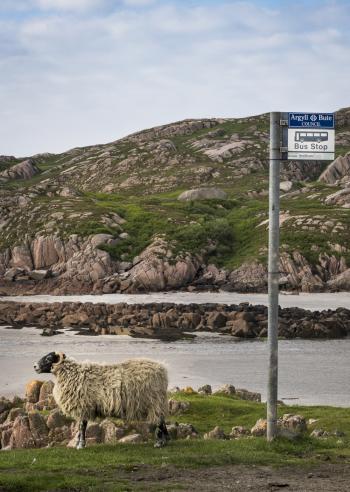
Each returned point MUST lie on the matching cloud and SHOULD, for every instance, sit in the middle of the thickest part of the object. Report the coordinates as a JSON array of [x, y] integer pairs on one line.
[[87, 76], [73, 5]]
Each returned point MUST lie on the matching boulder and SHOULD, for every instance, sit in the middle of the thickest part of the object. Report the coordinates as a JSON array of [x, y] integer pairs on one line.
[[46, 390], [59, 435], [335, 171], [216, 320], [109, 432], [292, 423], [154, 271], [38, 429], [216, 433], [99, 239], [39, 274], [340, 282], [131, 439], [185, 431], [203, 194], [21, 436], [286, 186], [244, 394], [238, 432], [23, 170], [249, 277], [225, 389], [176, 406], [33, 390], [205, 390], [14, 413], [260, 428], [21, 257], [57, 419], [93, 433]]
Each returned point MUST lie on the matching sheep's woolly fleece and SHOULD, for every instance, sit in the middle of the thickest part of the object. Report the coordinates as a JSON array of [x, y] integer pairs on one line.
[[132, 390]]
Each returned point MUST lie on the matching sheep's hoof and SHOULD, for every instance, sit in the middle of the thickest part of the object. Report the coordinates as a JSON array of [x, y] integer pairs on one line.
[[80, 445]]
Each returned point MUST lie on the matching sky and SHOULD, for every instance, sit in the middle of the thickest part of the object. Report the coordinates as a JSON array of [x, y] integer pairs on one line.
[[82, 72]]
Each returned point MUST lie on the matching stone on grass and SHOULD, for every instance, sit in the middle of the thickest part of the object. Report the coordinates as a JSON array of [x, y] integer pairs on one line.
[[226, 389], [185, 430], [260, 428], [239, 431], [189, 390], [216, 433], [292, 423], [205, 390], [203, 194], [176, 407], [131, 439], [244, 394], [109, 434]]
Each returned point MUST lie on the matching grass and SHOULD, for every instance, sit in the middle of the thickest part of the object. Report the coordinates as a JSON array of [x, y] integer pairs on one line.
[[103, 467], [191, 226]]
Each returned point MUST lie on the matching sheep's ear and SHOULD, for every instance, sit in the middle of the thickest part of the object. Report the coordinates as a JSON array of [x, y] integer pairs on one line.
[[61, 357]]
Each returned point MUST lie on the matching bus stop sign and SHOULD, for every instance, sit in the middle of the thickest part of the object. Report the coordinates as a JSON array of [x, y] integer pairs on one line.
[[311, 136]]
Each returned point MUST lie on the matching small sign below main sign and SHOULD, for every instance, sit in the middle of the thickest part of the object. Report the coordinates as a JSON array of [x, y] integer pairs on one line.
[[311, 136]]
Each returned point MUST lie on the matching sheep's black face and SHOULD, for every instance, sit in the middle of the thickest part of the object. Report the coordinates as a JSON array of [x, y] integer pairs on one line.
[[46, 362]]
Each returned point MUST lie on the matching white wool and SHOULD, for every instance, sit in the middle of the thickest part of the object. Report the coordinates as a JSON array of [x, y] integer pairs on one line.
[[132, 390]]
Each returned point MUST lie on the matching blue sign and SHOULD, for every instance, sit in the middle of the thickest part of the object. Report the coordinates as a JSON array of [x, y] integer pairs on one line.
[[310, 120]]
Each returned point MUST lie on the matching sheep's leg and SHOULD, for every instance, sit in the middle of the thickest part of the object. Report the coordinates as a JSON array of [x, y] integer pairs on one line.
[[81, 436], [161, 434]]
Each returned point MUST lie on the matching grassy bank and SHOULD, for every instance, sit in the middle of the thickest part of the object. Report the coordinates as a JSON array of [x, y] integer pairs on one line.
[[107, 468]]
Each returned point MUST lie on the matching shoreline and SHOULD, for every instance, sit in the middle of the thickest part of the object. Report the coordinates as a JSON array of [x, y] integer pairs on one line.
[[312, 372], [171, 321], [309, 301]]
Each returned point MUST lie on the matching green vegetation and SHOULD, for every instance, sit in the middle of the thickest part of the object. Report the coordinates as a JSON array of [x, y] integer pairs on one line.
[[150, 206], [108, 468]]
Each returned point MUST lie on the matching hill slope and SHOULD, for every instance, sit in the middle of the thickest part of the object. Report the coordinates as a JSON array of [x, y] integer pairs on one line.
[[108, 218]]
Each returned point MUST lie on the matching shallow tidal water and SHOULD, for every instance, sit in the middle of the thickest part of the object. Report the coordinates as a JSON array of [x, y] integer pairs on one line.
[[306, 301], [311, 371]]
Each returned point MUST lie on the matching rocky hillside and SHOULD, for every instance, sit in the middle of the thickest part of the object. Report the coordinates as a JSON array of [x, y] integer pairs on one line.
[[183, 205]]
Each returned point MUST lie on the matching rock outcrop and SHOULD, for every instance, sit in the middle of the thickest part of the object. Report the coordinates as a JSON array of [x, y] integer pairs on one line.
[[23, 170], [337, 170], [173, 321], [203, 194], [156, 269]]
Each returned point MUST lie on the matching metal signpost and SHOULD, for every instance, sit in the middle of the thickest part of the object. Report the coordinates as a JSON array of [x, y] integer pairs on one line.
[[304, 136]]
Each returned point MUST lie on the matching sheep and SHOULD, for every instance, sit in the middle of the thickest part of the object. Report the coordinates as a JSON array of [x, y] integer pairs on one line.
[[132, 390]]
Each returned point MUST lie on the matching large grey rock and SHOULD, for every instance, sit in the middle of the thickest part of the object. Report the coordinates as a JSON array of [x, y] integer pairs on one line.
[[202, 194], [341, 197], [340, 282], [336, 170], [21, 434], [21, 257], [23, 170], [286, 185], [249, 277], [155, 272], [131, 439], [216, 433]]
